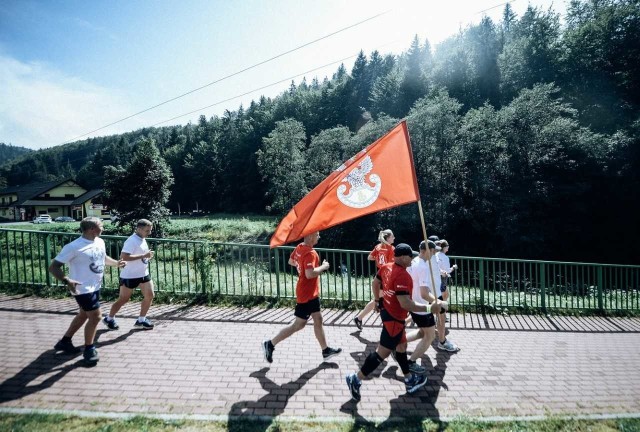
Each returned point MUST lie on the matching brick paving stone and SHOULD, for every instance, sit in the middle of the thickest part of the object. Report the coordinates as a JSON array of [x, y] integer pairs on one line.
[[201, 360]]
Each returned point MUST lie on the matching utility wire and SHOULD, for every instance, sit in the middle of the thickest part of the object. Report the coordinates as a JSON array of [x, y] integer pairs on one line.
[[496, 6], [53, 163], [231, 75], [266, 86], [254, 90]]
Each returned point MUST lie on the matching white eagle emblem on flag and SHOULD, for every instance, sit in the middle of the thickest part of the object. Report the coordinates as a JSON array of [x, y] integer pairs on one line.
[[363, 189]]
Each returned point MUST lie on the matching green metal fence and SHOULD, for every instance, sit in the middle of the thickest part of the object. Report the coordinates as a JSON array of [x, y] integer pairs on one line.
[[184, 266]]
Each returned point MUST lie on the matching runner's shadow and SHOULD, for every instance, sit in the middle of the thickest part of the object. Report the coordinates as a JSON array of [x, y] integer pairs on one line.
[[359, 423], [407, 410], [242, 415], [55, 365], [120, 338], [421, 405]]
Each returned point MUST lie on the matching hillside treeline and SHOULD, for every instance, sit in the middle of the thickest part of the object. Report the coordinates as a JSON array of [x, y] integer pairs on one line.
[[9, 152], [525, 132]]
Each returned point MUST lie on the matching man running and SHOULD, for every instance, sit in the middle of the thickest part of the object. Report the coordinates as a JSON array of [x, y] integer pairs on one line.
[[396, 285], [86, 257], [422, 294], [307, 262], [137, 254]]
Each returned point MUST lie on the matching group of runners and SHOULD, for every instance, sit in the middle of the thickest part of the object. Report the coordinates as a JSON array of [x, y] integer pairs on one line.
[[406, 282], [85, 258], [408, 287]]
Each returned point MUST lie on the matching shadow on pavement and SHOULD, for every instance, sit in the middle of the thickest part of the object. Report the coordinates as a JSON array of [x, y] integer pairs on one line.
[[407, 410], [422, 404], [242, 415], [49, 362], [333, 317]]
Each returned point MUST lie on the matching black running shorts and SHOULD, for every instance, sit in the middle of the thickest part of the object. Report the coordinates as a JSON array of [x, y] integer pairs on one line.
[[423, 321], [304, 310], [133, 283], [88, 302]]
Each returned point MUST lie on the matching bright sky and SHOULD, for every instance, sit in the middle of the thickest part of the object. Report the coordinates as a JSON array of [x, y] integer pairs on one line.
[[70, 67]]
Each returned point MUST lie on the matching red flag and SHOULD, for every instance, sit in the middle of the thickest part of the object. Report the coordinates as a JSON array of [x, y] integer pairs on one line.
[[379, 177]]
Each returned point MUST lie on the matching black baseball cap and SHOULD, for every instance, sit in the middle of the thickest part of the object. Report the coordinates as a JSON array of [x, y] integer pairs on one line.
[[404, 249], [434, 238]]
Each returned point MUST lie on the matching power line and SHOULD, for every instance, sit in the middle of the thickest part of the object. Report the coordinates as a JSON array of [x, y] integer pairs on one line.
[[496, 6], [230, 76], [254, 90], [229, 99], [267, 86]]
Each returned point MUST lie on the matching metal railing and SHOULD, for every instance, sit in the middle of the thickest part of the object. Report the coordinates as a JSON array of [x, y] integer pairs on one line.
[[184, 266]]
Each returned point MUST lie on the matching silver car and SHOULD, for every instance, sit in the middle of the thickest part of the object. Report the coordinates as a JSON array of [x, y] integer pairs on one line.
[[43, 218]]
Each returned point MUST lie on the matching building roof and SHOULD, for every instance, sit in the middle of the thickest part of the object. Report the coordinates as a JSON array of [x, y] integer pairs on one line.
[[47, 202], [32, 190], [28, 190], [87, 196]]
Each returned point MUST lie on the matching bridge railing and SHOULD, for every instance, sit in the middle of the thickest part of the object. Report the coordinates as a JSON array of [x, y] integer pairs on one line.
[[187, 266]]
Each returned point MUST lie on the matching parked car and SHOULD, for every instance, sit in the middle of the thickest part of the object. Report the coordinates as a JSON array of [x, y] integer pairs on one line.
[[43, 218], [64, 219]]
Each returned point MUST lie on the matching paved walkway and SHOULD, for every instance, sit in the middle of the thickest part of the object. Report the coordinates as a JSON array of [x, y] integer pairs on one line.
[[202, 360]]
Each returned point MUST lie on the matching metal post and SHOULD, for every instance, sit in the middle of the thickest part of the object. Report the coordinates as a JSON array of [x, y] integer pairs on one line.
[[481, 275], [204, 265], [277, 255], [47, 257], [600, 284], [348, 275], [543, 279]]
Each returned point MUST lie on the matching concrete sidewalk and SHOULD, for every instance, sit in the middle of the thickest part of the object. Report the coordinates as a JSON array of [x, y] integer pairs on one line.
[[201, 360]]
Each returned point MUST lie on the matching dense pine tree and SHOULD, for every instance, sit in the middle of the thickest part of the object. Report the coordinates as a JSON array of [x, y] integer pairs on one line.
[[520, 128]]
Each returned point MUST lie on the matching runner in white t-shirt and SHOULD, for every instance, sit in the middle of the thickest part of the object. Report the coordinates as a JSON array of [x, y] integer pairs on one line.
[[86, 257], [137, 254], [443, 294], [422, 293]]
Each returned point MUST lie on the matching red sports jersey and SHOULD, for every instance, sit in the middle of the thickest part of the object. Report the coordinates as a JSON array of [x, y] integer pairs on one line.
[[395, 281], [382, 254], [306, 258]]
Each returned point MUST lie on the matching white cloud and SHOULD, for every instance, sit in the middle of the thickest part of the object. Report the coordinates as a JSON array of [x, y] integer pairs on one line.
[[43, 107]]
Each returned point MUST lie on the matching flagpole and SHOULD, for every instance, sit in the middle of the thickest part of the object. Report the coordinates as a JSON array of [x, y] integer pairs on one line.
[[415, 185], [426, 243]]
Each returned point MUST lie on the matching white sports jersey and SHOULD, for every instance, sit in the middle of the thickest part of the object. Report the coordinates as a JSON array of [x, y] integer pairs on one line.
[[419, 271], [436, 273], [443, 259], [85, 259], [135, 245]]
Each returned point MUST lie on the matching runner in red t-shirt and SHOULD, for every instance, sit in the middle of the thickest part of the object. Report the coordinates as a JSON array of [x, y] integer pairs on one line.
[[382, 254], [306, 260], [394, 304]]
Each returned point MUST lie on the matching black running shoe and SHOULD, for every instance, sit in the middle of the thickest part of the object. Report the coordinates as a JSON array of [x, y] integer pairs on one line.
[[354, 386], [358, 322], [146, 324], [268, 349], [110, 323], [67, 347], [328, 352], [415, 382], [90, 356]]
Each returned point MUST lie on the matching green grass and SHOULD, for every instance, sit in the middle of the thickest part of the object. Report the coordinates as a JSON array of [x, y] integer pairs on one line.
[[62, 423], [217, 227], [224, 228]]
